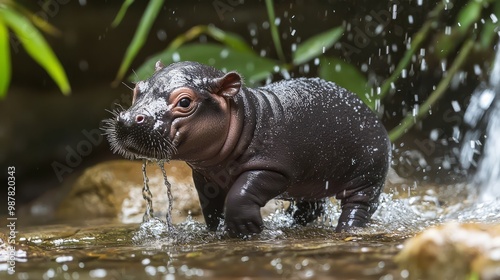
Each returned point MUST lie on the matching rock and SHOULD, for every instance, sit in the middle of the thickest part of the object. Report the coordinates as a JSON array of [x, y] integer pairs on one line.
[[453, 251], [114, 189]]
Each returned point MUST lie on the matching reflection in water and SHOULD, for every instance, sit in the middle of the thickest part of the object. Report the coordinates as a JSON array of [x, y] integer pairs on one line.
[[482, 114]]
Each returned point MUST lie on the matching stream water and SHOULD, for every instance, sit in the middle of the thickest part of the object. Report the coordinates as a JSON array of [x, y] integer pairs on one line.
[[100, 249]]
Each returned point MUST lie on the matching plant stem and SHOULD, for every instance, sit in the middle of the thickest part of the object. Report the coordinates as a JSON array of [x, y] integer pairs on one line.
[[411, 119], [274, 30], [415, 44]]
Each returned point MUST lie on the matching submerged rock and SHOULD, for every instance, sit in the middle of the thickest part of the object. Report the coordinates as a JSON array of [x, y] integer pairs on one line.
[[453, 251], [114, 189]]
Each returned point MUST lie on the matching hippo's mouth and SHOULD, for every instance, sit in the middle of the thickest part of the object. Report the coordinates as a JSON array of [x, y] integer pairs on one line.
[[148, 144]]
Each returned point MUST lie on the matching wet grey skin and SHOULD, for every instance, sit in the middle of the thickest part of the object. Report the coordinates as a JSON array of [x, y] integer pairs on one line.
[[302, 140]]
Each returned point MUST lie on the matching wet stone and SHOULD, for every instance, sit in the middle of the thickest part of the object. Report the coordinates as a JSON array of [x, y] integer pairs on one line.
[[453, 251], [115, 189]]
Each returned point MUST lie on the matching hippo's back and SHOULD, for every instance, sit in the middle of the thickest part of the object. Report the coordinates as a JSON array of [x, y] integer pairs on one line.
[[325, 133]]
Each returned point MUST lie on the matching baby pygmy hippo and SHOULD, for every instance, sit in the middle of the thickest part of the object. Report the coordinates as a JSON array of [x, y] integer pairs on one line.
[[300, 139]]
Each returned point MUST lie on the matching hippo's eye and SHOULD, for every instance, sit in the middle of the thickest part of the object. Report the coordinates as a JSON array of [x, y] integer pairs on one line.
[[184, 102]]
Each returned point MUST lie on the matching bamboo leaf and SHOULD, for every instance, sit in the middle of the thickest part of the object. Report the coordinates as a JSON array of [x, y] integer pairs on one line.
[[36, 46], [274, 30], [347, 76], [488, 33], [121, 13], [140, 35], [252, 67], [229, 39], [316, 45], [448, 42], [4, 60], [39, 22], [468, 15]]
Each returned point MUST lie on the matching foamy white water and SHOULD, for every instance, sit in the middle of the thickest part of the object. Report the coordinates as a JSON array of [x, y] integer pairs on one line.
[[482, 113]]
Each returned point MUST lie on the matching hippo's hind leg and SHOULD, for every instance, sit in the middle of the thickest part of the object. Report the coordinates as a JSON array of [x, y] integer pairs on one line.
[[304, 211], [358, 205]]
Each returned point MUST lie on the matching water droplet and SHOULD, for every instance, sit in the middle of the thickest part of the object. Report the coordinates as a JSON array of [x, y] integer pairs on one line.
[[486, 98], [494, 18], [162, 35], [443, 65], [434, 134], [83, 65], [423, 65], [176, 57], [455, 105], [447, 30], [477, 70], [224, 53]]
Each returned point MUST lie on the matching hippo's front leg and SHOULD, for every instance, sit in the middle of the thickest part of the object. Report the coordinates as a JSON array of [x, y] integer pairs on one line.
[[211, 198], [251, 191]]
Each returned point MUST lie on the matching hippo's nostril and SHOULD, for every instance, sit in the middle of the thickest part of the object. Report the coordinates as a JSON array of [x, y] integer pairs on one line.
[[139, 119]]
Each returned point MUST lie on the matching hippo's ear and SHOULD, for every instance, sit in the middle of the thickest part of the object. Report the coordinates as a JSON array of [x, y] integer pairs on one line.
[[229, 85]]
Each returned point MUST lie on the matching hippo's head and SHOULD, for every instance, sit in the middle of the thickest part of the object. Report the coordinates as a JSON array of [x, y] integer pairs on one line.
[[181, 112]]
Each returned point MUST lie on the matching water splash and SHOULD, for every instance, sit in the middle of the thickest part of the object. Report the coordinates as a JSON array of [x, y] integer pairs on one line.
[[151, 226], [146, 194], [170, 225], [483, 114]]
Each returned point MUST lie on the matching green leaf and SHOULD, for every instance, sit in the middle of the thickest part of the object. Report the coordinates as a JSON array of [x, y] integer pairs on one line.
[[488, 33], [4, 60], [39, 22], [121, 12], [447, 42], [229, 39], [140, 35], [252, 67], [274, 30], [347, 76], [36, 46], [316, 45], [468, 15]]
